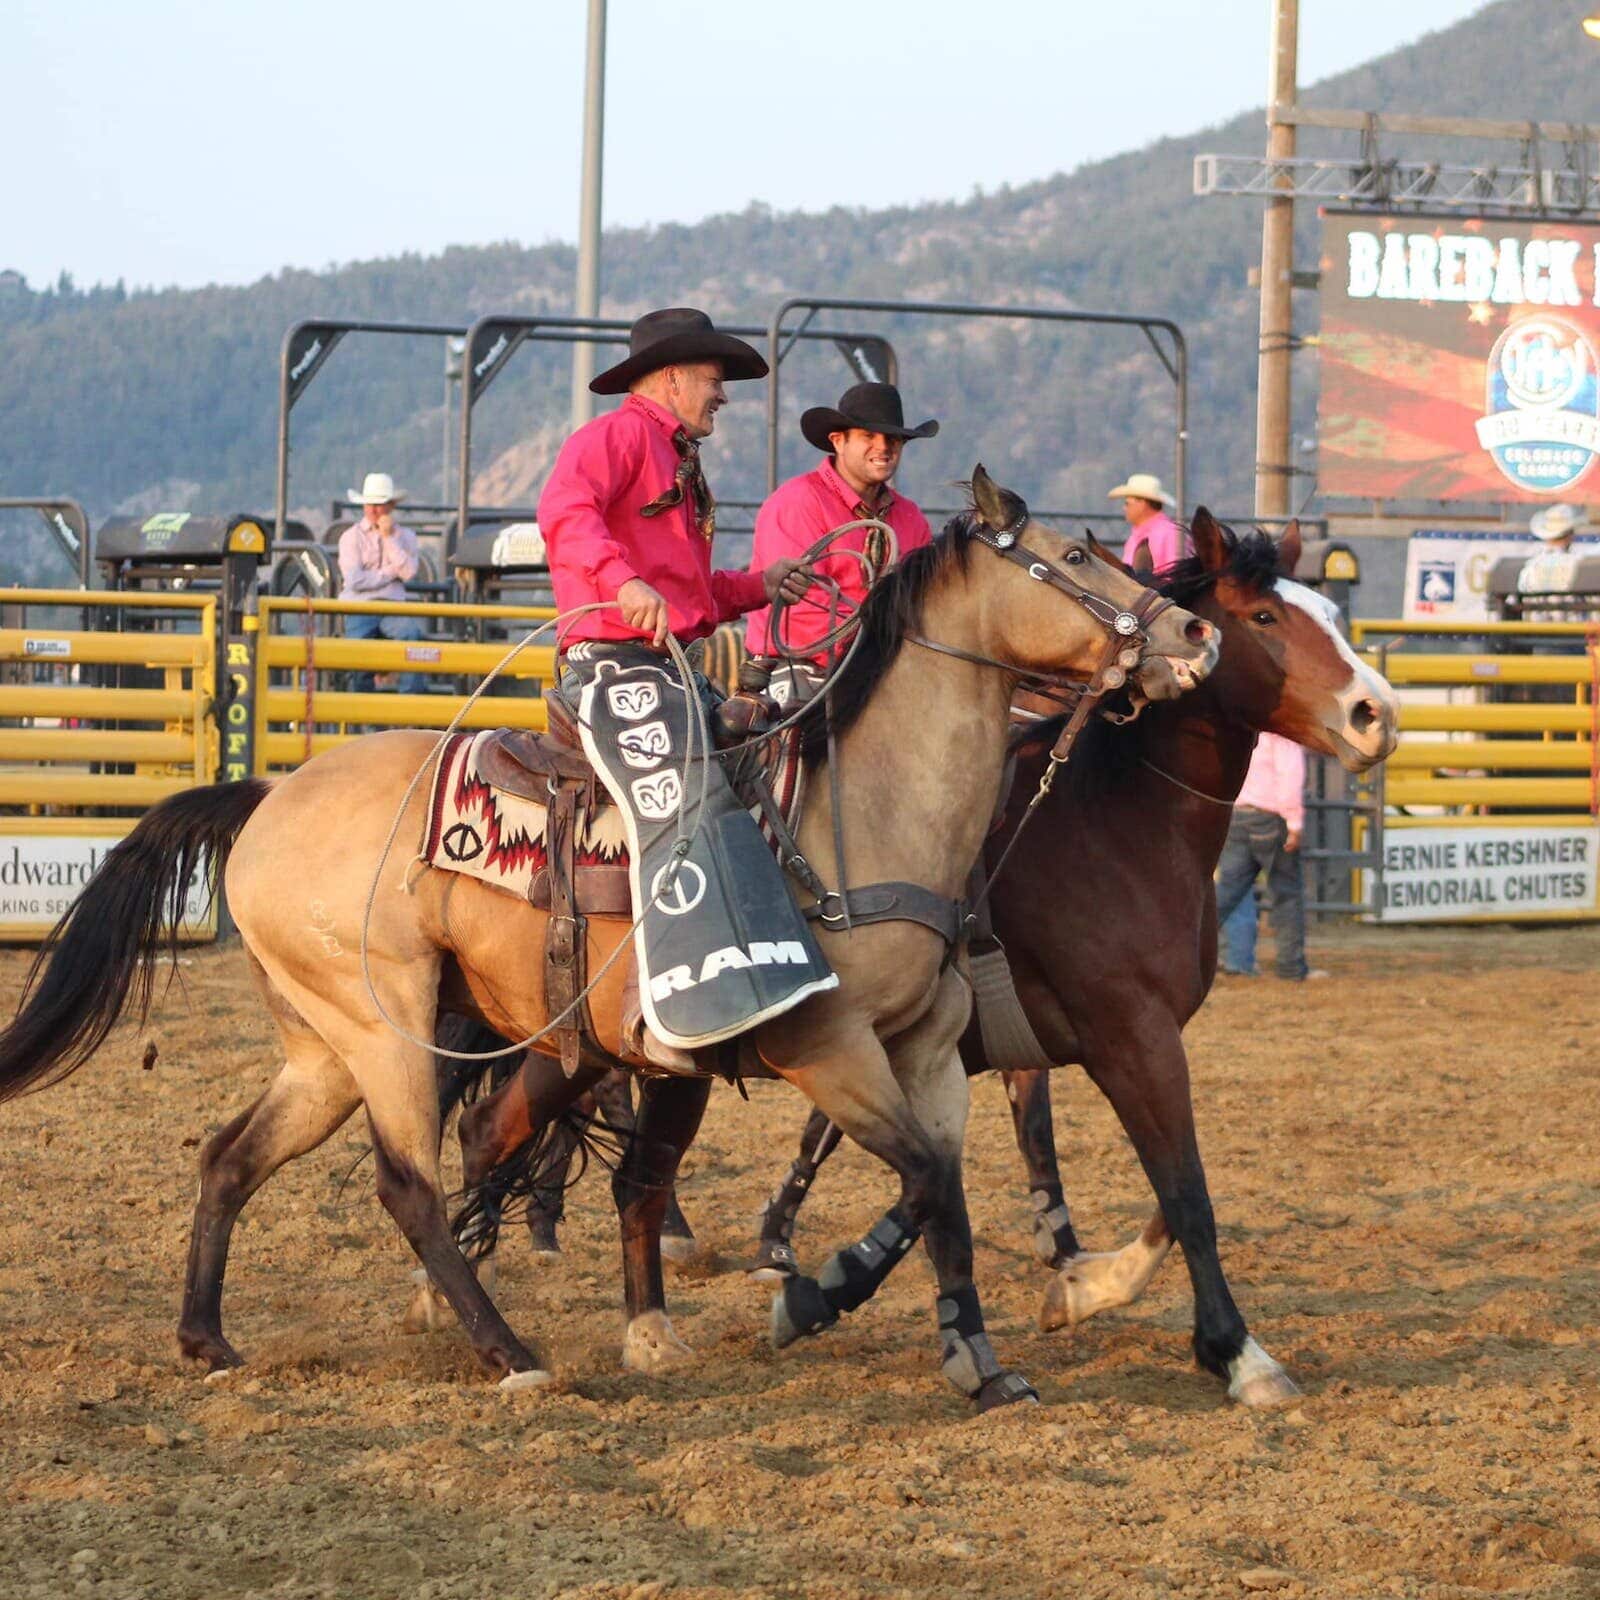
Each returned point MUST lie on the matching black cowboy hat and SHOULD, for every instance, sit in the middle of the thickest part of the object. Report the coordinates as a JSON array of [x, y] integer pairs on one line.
[[671, 338], [873, 406]]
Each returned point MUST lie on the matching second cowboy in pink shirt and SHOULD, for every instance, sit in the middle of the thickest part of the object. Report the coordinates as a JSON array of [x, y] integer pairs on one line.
[[1155, 541], [862, 438]]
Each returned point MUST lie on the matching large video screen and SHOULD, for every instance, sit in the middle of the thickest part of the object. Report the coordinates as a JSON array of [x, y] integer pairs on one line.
[[1459, 359]]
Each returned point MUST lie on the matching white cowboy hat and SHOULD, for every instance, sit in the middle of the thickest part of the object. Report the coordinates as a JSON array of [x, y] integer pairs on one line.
[[1556, 522], [377, 489], [1142, 486]]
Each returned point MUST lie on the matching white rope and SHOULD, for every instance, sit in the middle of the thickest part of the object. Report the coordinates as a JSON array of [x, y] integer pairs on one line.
[[681, 847], [699, 729]]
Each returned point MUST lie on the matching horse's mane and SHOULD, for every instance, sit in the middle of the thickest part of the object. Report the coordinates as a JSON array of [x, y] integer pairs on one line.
[[1107, 752], [1252, 560], [891, 611]]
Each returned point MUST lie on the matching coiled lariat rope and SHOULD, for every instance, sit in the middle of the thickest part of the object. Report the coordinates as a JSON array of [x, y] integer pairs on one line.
[[699, 739]]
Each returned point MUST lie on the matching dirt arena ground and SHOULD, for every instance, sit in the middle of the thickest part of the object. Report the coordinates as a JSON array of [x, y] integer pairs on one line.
[[1406, 1166]]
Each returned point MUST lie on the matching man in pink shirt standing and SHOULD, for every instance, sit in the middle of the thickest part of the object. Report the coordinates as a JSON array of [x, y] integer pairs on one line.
[[1264, 837], [862, 439], [1154, 539]]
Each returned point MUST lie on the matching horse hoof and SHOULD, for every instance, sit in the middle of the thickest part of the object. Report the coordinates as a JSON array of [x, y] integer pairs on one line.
[[1256, 1380], [542, 1236], [651, 1345], [1055, 1311], [425, 1314], [799, 1308], [220, 1357], [1005, 1389], [529, 1378], [221, 1374], [674, 1247]]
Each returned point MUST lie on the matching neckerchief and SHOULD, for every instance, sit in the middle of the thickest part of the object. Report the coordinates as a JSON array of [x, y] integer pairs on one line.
[[689, 479]]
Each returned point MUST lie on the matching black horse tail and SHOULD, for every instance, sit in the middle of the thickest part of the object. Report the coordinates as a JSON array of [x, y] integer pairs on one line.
[[102, 954]]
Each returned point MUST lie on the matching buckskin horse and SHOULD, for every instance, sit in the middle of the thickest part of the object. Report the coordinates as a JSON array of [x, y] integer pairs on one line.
[[1138, 825], [944, 641]]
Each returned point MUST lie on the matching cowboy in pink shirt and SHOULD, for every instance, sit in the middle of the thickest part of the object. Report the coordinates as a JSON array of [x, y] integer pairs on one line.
[[627, 515], [1155, 541], [863, 438], [628, 519]]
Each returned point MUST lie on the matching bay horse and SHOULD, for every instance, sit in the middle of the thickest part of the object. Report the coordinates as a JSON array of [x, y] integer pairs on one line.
[[1138, 825], [998, 598]]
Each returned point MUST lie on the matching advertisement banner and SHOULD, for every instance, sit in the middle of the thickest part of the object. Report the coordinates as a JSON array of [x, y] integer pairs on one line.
[[1447, 574], [42, 874], [1460, 359], [1510, 872]]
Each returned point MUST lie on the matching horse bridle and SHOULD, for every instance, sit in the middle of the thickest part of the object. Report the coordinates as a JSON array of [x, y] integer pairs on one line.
[[1127, 633]]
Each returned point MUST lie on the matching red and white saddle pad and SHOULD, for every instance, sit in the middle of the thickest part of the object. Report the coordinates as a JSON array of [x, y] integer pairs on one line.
[[497, 837]]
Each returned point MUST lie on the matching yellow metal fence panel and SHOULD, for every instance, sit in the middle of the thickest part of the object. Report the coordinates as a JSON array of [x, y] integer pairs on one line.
[[82, 750], [305, 707]]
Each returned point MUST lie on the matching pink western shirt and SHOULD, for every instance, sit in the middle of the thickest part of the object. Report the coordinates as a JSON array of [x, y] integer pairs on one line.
[[796, 515], [1168, 542], [374, 568], [597, 541], [1276, 781]]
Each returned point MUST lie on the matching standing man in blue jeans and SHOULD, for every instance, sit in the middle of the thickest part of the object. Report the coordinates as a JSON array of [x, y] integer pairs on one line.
[[377, 558], [1264, 837]]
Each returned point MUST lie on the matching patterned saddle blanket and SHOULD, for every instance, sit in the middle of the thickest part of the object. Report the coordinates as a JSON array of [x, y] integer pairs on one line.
[[489, 805]]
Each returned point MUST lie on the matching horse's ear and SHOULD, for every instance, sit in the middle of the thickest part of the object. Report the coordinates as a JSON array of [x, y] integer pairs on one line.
[[1110, 557], [1210, 542], [997, 508], [1289, 548]]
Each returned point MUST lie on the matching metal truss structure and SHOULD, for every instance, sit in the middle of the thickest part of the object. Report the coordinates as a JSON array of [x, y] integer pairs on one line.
[[1556, 172]]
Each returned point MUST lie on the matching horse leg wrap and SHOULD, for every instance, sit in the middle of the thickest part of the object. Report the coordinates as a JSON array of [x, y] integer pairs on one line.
[[778, 1214], [966, 1357], [847, 1280], [1053, 1239], [855, 1274]]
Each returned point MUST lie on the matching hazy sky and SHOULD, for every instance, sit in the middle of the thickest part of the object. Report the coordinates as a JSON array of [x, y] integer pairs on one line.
[[188, 142]]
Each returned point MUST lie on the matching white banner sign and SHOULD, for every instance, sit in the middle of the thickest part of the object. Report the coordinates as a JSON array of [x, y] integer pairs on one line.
[[1447, 874], [42, 874], [1447, 574]]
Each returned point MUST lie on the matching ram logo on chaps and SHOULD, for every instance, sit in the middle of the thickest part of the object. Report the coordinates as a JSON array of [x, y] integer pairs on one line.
[[633, 701], [730, 958], [646, 746], [657, 797]]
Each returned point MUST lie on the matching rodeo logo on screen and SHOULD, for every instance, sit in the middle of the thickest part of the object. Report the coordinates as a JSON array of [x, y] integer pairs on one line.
[[1543, 427]]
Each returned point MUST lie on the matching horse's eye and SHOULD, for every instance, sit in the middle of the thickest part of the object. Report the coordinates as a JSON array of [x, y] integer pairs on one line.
[[1075, 557], [1264, 618]]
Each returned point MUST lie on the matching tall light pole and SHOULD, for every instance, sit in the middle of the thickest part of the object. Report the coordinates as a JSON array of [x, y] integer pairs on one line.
[[587, 298], [1277, 278]]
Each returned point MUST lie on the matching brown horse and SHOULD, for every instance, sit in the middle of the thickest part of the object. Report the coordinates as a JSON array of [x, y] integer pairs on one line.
[[944, 642], [1139, 825]]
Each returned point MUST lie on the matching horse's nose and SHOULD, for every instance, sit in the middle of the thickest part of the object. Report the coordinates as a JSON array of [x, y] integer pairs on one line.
[[1198, 631], [1373, 725]]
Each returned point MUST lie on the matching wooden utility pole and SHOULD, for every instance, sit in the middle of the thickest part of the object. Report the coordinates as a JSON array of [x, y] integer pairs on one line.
[[1274, 456]]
